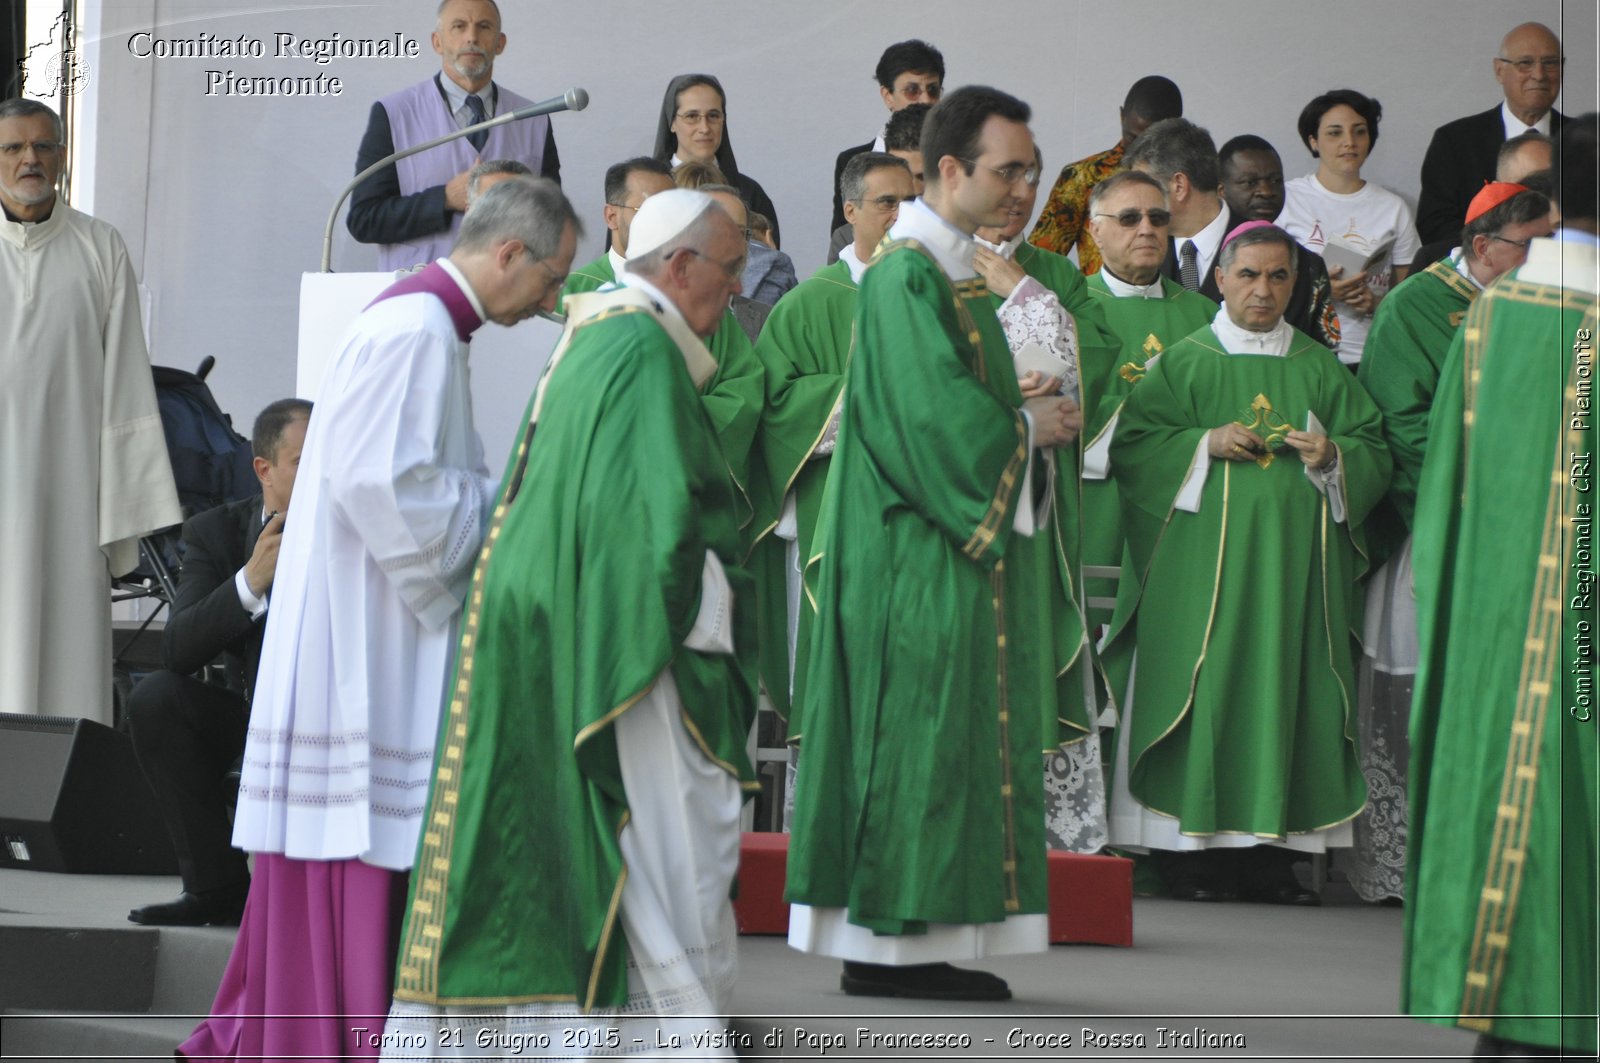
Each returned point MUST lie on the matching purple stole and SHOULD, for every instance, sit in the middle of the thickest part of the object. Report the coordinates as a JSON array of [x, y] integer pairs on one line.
[[436, 282], [419, 114]]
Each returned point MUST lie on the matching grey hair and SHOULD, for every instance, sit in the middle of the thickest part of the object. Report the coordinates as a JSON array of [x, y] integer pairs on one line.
[[24, 108], [1124, 177], [853, 181], [490, 168], [439, 12], [697, 234], [530, 209], [1266, 234], [1518, 210], [1176, 145]]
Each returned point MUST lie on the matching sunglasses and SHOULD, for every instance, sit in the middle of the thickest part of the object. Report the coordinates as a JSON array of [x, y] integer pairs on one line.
[[1130, 218]]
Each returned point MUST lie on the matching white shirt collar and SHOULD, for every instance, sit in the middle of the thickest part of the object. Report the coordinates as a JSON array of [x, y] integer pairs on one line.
[[1515, 126], [877, 141], [1458, 261], [457, 97], [616, 261], [633, 280], [852, 261], [1207, 241], [952, 248], [1236, 340], [466, 288], [1124, 290], [1007, 250]]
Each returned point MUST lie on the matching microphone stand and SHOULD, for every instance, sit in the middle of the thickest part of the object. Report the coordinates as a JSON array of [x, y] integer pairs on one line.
[[574, 99]]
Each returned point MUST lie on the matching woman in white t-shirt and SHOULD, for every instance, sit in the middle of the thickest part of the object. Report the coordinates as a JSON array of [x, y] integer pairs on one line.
[[1340, 128]]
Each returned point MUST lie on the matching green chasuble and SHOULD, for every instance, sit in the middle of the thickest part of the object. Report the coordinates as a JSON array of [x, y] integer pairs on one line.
[[1501, 880], [587, 585], [732, 397], [1400, 366], [803, 349], [1247, 611], [1072, 653], [1143, 328], [929, 679]]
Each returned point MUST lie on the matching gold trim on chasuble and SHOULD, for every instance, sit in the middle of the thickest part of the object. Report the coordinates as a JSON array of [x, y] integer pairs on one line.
[[1541, 666], [417, 974]]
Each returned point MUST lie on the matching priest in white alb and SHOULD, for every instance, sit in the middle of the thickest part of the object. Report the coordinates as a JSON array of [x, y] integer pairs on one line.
[[85, 459], [390, 505]]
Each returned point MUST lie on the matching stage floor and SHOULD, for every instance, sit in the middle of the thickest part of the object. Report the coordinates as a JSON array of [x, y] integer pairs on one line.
[[76, 979]]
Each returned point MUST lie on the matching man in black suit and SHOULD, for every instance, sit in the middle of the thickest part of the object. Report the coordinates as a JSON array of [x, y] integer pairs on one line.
[[189, 733], [908, 72], [1525, 159], [1461, 156], [1183, 157]]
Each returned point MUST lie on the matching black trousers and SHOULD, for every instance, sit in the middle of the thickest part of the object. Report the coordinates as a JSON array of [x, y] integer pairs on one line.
[[187, 734]]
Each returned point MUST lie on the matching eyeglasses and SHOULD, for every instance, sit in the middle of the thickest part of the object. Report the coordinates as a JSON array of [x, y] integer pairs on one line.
[[622, 206], [1129, 219], [1011, 173], [45, 149], [696, 117], [914, 91], [1548, 64], [733, 270], [1521, 245], [882, 204], [557, 280]]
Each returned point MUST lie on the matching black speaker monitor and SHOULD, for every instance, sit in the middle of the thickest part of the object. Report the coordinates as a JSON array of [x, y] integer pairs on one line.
[[72, 799]]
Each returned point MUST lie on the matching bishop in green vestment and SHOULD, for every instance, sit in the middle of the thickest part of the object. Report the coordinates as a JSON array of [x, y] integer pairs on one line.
[[1500, 890], [1247, 458], [581, 834], [1411, 332], [1145, 313], [918, 834], [804, 349]]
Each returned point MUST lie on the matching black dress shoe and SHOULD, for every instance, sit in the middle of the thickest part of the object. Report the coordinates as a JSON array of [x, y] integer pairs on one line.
[[923, 981], [219, 907], [1193, 891], [1291, 893]]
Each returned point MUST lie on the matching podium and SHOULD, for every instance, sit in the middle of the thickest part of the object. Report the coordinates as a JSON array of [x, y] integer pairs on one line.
[[505, 363]]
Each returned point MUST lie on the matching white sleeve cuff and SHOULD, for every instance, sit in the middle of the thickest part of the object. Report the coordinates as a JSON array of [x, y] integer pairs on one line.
[[1330, 481], [1194, 484], [1097, 455], [713, 625], [256, 607]]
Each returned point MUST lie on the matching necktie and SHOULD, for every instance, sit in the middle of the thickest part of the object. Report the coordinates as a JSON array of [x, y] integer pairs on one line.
[[478, 114], [1188, 268]]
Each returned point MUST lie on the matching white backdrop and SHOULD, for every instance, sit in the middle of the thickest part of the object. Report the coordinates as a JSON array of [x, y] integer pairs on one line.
[[222, 199]]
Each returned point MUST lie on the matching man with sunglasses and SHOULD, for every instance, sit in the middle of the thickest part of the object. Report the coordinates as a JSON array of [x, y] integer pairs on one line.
[[1147, 313], [1462, 154], [918, 831], [733, 396], [908, 72]]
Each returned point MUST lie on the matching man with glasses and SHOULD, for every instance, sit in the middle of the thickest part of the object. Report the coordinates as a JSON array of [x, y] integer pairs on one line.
[[1146, 313], [733, 395], [1252, 187], [392, 499], [910, 72], [1062, 225], [413, 209], [82, 445], [902, 138], [1462, 154], [918, 833], [803, 349], [584, 811]]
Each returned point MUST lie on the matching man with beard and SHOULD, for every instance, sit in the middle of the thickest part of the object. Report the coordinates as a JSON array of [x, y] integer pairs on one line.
[[413, 209]]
